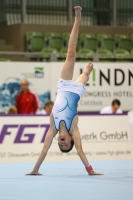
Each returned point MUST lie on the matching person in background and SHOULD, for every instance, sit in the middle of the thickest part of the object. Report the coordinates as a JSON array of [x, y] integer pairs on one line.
[[47, 108], [26, 101], [113, 109], [12, 110]]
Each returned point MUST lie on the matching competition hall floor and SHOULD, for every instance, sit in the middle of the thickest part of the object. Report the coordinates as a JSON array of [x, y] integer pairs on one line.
[[67, 181]]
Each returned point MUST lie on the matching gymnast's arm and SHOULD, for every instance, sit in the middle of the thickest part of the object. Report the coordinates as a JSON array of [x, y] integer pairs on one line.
[[78, 145], [47, 143]]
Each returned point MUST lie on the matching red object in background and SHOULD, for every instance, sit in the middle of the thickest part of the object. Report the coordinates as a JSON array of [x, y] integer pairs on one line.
[[26, 103]]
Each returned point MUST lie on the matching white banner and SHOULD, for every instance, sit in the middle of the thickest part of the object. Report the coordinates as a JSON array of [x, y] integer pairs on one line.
[[103, 138], [107, 82], [12, 72]]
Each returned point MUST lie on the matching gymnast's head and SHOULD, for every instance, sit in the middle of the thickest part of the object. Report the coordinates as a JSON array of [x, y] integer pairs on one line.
[[65, 140]]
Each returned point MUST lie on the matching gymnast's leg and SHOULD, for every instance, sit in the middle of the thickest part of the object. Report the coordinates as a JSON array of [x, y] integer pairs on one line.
[[68, 68], [84, 77]]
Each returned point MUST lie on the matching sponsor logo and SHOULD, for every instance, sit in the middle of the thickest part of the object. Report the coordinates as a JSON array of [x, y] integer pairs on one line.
[[22, 137], [105, 85], [37, 73]]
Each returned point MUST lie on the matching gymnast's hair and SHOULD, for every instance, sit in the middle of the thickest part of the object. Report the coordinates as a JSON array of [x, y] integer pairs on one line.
[[66, 151]]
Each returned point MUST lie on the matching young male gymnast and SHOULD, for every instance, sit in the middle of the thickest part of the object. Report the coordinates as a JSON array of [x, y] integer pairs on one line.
[[64, 114]]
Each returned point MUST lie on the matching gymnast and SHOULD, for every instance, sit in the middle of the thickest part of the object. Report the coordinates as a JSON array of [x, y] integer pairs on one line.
[[64, 114]]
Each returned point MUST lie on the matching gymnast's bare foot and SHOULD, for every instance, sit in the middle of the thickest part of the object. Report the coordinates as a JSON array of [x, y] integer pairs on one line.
[[34, 174], [92, 173], [89, 67], [78, 12]]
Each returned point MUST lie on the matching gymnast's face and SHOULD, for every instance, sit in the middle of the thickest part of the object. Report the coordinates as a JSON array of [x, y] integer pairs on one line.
[[64, 141]]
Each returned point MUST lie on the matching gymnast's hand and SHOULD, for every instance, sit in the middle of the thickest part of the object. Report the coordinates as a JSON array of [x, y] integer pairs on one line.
[[34, 174], [92, 173]]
